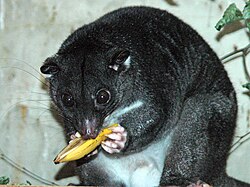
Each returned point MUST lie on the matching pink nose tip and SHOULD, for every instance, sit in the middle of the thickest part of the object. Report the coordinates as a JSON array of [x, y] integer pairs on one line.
[[89, 129]]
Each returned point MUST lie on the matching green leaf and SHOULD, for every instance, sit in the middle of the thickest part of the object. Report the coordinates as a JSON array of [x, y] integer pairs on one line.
[[246, 14], [4, 180], [231, 14], [247, 22], [246, 11], [29, 183], [247, 85]]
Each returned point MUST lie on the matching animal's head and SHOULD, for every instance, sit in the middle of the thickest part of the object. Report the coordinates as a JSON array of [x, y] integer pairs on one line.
[[99, 76]]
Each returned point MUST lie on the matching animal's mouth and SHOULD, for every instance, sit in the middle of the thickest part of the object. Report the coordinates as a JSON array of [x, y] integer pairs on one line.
[[85, 133]]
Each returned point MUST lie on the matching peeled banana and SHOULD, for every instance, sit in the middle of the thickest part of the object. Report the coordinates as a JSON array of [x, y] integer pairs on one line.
[[79, 148]]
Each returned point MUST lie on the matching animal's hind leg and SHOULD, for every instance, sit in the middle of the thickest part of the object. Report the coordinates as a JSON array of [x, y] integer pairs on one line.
[[201, 140]]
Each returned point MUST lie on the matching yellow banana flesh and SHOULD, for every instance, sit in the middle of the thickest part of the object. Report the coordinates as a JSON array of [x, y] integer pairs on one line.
[[79, 148]]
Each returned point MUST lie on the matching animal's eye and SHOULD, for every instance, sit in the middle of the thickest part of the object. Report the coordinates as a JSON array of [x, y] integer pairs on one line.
[[67, 100], [121, 57], [103, 96]]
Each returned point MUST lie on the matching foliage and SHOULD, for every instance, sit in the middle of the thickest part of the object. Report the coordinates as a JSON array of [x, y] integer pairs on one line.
[[247, 85], [4, 180], [233, 14]]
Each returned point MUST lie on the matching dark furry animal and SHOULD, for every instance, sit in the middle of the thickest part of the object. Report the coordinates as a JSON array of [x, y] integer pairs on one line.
[[154, 75]]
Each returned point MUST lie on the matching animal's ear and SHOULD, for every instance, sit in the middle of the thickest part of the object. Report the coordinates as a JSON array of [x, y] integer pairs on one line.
[[49, 68], [120, 61]]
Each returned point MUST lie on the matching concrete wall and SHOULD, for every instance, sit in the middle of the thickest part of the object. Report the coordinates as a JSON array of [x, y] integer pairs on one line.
[[32, 30]]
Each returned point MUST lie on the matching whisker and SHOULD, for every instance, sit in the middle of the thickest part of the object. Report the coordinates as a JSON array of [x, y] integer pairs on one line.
[[58, 113], [22, 61], [38, 93], [14, 67], [33, 107]]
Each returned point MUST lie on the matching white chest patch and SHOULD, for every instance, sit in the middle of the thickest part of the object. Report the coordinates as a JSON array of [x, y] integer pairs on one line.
[[139, 169], [113, 118]]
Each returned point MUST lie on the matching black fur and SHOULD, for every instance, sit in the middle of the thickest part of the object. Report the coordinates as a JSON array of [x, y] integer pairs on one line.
[[185, 89]]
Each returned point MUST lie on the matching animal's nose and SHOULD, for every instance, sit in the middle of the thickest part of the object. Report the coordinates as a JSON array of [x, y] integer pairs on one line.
[[89, 129]]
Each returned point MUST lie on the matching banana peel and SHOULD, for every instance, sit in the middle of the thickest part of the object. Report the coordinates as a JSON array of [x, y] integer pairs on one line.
[[78, 148]]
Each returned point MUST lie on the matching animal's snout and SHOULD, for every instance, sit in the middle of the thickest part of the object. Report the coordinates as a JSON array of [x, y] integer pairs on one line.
[[89, 129]]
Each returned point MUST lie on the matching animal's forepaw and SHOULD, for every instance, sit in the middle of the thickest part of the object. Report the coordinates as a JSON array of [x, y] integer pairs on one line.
[[116, 140]]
